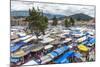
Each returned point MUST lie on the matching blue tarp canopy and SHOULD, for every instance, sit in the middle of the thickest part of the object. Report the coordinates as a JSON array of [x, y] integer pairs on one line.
[[89, 38], [54, 54], [85, 42], [67, 35], [87, 33], [76, 32], [61, 49], [78, 55], [14, 60], [17, 46], [92, 40], [89, 41], [63, 58], [65, 61]]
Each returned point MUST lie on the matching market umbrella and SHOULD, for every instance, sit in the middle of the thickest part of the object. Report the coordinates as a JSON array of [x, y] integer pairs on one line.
[[36, 48], [82, 48], [48, 46], [19, 53]]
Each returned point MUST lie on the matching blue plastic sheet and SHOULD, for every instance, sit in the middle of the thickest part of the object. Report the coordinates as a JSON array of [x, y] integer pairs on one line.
[[78, 55], [61, 49], [63, 59], [76, 32], [92, 40], [14, 60], [87, 34], [54, 54], [89, 41], [85, 42], [17, 46]]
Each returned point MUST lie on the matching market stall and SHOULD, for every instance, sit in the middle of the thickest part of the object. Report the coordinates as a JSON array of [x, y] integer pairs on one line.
[[48, 47], [16, 46], [31, 62], [81, 39], [81, 47], [63, 58], [47, 40]]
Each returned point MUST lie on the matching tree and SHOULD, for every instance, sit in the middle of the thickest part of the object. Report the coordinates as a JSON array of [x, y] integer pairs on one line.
[[44, 24], [37, 22], [55, 21], [72, 21], [66, 22]]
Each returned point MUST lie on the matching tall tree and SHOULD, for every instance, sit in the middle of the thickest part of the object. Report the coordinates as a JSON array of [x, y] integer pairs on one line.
[[72, 21], [55, 21], [43, 24], [66, 22], [37, 22]]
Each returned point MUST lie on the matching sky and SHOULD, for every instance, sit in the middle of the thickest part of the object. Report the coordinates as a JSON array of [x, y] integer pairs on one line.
[[61, 9]]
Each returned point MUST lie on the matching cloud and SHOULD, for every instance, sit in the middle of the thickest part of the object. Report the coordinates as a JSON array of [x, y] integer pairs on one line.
[[62, 9]]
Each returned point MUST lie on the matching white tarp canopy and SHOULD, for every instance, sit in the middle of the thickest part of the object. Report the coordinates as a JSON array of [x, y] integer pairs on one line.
[[21, 33], [67, 40], [22, 38], [78, 35], [62, 35], [31, 38], [16, 40], [14, 36], [47, 40], [32, 62], [14, 29], [81, 39], [26, 37], [66, 31], [44, 36], [48, 46], [45, 59]]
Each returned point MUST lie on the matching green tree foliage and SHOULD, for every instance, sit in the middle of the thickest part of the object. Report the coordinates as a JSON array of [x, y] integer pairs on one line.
[[66, 22], [72, 21], [43, 24], [55, 21], [37, 22]]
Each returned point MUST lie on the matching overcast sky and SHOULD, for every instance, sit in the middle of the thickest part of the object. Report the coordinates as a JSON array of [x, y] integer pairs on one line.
[[62, 9]]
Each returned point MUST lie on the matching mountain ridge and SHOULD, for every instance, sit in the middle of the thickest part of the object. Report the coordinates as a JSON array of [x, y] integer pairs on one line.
[[78, 16]]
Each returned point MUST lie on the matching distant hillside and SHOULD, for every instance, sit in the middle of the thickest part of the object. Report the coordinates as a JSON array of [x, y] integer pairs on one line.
[[50, 16], [81, 16], [26, 13], [19, 13]]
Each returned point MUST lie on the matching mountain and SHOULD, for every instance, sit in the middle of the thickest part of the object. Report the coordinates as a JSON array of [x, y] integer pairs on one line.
[[81, 16], [51, 16], [26, 13], [19, 13]]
